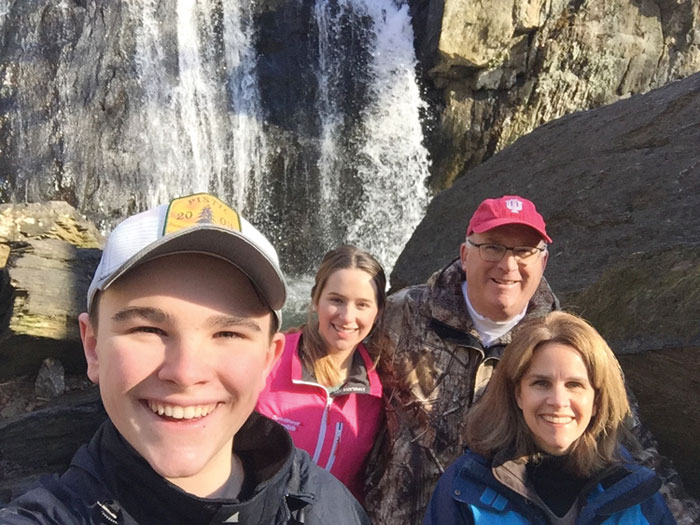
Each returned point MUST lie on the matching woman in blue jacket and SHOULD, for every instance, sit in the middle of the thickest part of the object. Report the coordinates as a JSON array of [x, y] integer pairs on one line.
[[544, 441]]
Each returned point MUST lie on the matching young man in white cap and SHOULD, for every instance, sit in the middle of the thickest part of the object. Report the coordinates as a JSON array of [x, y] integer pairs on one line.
[[180, 334]]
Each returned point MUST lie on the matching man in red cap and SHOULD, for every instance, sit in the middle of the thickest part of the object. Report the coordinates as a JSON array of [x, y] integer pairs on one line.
[[439, 344]]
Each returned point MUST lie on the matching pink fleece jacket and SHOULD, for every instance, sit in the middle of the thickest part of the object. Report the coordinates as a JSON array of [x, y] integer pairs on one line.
[[337, 430]]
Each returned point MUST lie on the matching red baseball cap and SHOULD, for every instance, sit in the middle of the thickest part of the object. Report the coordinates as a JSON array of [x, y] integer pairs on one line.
[[509, 209]]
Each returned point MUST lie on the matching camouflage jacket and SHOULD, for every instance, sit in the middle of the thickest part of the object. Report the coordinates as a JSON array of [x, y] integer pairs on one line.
[[433, 367]]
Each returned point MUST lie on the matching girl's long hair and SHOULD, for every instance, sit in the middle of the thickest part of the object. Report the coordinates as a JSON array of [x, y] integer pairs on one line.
[[496, 422], [313, 349]]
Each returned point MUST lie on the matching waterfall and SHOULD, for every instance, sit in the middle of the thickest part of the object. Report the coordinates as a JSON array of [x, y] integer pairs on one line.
[[201, 125], [248, 142], [390, 160], [303, 115], [392, 163]]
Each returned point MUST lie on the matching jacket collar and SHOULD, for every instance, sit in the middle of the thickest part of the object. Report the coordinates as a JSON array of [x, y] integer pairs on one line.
[[501, 484], [363, 377], [264, 446]]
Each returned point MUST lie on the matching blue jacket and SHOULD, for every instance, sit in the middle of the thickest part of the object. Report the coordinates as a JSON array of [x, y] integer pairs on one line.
[[469, 493], [108, 483]]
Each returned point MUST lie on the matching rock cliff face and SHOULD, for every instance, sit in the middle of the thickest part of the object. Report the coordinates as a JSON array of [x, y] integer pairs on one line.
[[499, 69], [619, 187], [50, 254]]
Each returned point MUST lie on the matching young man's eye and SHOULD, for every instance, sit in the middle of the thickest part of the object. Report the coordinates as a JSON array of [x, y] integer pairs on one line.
[[228, 335], [149, 330]]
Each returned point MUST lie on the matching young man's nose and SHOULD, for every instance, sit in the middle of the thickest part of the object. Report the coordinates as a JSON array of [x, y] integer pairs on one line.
[[184, 364]]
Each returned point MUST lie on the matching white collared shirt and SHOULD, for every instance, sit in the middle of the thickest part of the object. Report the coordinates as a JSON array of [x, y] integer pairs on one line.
[[489, 330]]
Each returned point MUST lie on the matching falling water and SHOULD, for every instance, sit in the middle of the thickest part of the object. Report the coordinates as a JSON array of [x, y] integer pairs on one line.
[[390, 161], [200, 137], [248, 142], [145, 102]]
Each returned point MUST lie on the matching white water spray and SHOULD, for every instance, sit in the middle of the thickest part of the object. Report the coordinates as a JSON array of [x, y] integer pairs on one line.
[[201, 125], [392, 163]]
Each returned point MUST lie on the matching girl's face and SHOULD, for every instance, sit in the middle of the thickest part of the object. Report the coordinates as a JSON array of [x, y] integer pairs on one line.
[[346, 308], [556, 397]]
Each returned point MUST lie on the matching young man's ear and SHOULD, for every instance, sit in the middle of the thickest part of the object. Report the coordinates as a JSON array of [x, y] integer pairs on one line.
[[89, 337]]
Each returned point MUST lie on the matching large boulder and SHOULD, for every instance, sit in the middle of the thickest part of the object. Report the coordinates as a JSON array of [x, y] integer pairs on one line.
[[619, 187], [50, 254], [499, 69]]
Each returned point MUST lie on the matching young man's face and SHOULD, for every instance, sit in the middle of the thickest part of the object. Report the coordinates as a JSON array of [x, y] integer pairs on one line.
[[501, 290], [181, 352]]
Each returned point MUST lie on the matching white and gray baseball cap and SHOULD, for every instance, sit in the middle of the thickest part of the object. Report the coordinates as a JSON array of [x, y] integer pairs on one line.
[[199, 223]]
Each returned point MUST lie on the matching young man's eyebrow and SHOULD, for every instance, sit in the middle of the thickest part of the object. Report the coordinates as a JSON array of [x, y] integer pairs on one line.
[[231, 321], [154, 315]]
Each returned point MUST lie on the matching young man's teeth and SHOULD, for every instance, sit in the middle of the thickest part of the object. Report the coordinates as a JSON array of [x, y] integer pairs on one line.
[[180, 412]]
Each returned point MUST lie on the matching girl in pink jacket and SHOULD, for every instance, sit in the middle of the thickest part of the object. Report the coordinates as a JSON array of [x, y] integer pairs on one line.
[[325, 389]]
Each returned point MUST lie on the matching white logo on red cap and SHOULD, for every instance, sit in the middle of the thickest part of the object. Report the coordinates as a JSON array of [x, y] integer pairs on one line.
[[514, 205]]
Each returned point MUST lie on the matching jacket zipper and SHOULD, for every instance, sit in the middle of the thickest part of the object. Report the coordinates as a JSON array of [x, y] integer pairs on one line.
[[336, 442], [322, 430]]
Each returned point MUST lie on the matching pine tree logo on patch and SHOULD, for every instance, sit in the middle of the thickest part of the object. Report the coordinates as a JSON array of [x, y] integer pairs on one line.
[[514, 205], [206, 216]]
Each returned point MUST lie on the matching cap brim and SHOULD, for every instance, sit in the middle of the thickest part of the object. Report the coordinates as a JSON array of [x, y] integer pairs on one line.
[[219, 242], [501, 221]]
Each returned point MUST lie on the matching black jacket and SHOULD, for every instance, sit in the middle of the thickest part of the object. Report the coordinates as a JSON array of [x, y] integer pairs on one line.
[[109, 483]]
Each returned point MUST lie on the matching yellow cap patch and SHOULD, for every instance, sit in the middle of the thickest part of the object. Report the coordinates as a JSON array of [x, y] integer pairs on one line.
[[200, 208]]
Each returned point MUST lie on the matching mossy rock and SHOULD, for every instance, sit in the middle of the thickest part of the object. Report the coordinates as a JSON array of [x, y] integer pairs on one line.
[[647, 301]]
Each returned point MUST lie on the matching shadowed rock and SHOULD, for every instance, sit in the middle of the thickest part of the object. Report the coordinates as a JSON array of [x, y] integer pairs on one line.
[[51, 253], [44, 440]]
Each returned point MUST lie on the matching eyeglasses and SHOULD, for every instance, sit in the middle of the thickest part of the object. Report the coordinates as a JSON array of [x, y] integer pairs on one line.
[[494, 252]]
